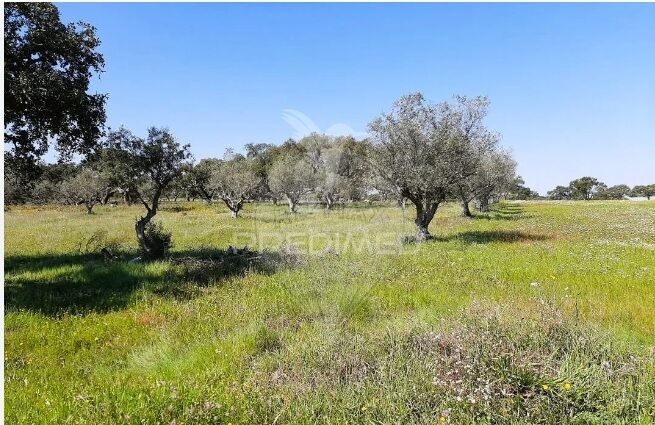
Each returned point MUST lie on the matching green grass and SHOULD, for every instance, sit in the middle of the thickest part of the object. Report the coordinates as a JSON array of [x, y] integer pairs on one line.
[[533, 313]]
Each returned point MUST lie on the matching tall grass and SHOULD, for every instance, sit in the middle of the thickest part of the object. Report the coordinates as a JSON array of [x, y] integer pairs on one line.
[[532, 313]]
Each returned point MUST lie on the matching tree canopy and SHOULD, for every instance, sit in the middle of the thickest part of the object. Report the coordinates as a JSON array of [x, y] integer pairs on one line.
[[233, 181], [154, 163], [585, 187], [644, 190], [48, 68], [425, 149], [292, 176]]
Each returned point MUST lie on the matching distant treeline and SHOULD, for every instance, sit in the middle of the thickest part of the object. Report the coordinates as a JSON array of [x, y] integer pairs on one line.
[[588, 188], [339, 167]]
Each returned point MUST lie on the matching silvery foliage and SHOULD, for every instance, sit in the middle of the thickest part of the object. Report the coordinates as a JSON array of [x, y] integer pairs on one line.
[[314, 145], [293, 177], [233, 181], [495, 175], [330, 182], [341, 170], [87, 186], [425, 149]]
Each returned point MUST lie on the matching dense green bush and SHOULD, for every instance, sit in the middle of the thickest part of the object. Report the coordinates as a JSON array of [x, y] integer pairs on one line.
[[158, 239]]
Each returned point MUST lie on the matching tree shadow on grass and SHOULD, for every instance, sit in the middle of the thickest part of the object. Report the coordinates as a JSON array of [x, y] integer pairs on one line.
[[177, 208], [503, 212], [501, 216], [56, 285], [491, 236], [508, 208]]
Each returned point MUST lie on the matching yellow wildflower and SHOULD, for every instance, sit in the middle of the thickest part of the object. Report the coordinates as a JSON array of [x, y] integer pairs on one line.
[[546, 387]]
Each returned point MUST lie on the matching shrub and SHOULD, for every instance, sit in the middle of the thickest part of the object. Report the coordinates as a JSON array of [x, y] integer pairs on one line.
[[158, 239]]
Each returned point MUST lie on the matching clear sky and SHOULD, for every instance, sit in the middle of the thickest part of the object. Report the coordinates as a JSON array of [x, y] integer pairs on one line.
[[572, 86]]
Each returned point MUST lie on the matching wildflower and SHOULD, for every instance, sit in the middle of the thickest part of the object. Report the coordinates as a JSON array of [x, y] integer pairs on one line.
[[567, 386], [546, 387]]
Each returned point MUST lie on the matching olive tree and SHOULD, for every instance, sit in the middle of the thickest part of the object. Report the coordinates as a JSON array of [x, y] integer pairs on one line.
[[154, 161], [495, 173], [87, 187], [425, 149], [197, 178], [330, 182], [313, 146], [262, 156], [292, 176], [115, 165], [342, 170], [233, 181]]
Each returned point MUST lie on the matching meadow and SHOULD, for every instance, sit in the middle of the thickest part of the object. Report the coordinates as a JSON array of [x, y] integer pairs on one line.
[[536, 312]]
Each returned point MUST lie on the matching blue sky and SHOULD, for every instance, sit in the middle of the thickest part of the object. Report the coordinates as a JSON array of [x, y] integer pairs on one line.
[[572, 86]]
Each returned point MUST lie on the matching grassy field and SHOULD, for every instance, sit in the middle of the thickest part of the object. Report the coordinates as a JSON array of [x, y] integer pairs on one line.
[[537, 312]]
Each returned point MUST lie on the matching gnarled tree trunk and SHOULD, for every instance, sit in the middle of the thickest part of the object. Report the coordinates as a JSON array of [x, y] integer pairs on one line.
[[126, 197], [465, 199], [108, 194], [293, 202], [140, 226], [234, 206], [329, 201], [466, 211], [425, 210], [483, 204], [206, 196]]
